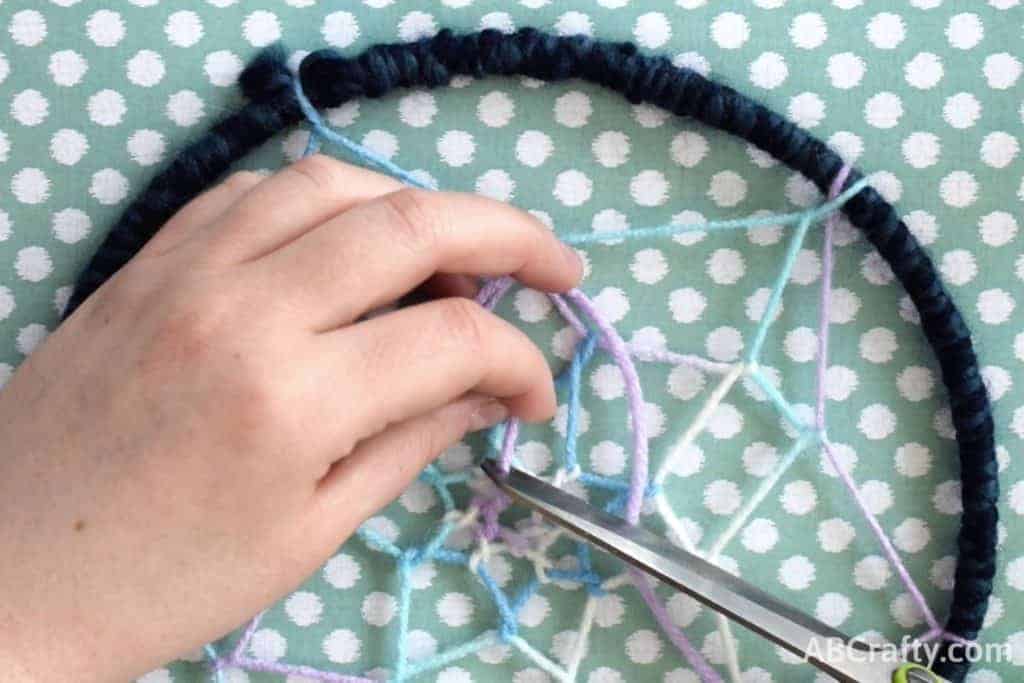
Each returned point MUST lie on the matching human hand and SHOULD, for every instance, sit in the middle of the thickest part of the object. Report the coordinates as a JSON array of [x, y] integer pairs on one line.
[[206, 429]]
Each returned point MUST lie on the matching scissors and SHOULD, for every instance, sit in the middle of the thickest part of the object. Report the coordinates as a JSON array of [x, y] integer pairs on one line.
[[847, 660]]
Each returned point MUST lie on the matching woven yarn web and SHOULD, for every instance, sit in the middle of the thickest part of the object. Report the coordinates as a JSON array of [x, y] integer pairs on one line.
[[531, 539]]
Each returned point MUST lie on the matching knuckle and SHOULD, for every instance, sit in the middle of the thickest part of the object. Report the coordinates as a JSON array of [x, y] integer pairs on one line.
[[415, 218], [319, 171], [242, 180], [466, 322]]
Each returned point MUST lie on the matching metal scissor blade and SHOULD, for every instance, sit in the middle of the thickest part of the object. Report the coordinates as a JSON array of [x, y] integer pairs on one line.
[[826, 648]]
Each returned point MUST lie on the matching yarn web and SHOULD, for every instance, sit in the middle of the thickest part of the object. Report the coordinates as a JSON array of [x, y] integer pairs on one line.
[[532, 538]]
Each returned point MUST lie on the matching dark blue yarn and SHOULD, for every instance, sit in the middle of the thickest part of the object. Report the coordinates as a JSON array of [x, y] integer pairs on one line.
[[329, 79]]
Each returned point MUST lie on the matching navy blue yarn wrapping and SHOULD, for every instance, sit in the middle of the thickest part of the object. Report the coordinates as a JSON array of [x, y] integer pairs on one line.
[[329, 79]]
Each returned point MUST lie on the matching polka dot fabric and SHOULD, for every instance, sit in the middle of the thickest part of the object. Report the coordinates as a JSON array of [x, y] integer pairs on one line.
[[927, 95]]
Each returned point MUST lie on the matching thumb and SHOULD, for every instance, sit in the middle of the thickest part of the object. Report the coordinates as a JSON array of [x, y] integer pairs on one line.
[[381, 467]]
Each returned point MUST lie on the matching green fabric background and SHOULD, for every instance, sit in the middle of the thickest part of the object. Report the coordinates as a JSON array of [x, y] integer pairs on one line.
[[95, 98]]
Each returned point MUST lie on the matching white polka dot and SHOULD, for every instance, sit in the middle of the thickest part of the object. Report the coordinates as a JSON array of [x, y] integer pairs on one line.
[[108, 186], [455, 609], [687, 461], [688, 148], [872, 573], [27, 28], [652, 30], [183, 29], [146, 68], [796, 573], [612, 303], [961, 110], [533, 148], [684, 60], [608, 610], [184, 108], [105, 28], [760, 536], [268, 645], [915, 383], [456, 148], [877, 421], [727, 188], [958, 266], [33, 264], [1002, 70], [29, 338], [948, 499], [835, 535], [379, 608], [998, 149], [573, 188], [29, 107], [304, 608], [416, 25], [643, 646], [534, 611], [883, 110], [998, 228], [574, 24], [921, 150], [724, 344], [995, 306], [67, 147], [67, 67], [687, 305], [607, 382], [964, 31], [726, 266], [532, 306], [649, 188], [156, 676], [608, 458], [923, 71], [495, 109], [146, 147], [261, 28], [649, 266], [845, 70], [342, 571], [340, 29], [30, 186], [848, 145], [222, 67], [71, 225], [912, 535], [725, 422], [958, 189], [808, 30], [806, 109], [759, 459], [833, 609], [730, 30], [801, 345], [886, 30], [769, 70], [799, 497], [611, 148], [342, 646], [722, 497], [573, 109], [417, 109]]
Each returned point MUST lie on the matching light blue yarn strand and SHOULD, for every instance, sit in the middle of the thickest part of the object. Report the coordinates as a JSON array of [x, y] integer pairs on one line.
[[772, 307], [361, 152], [216, 675], [779, 401]]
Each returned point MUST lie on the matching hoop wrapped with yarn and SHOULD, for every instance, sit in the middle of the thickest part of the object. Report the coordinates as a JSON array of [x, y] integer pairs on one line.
[[279, 98]]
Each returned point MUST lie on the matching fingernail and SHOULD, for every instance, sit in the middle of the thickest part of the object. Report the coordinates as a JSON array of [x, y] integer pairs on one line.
[[572, 258], [487, 414]]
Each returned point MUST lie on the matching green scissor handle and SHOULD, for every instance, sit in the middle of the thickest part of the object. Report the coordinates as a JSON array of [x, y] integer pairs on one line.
[[914, 673]]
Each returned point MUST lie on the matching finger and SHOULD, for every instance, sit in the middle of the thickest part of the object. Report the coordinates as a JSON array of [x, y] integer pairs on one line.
[[383, 466], [417, 359], [443, 286], [380, 250], [202, 211], [294, 200]]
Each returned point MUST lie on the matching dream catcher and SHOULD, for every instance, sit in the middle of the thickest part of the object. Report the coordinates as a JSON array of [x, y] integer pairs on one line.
[[478, 524]]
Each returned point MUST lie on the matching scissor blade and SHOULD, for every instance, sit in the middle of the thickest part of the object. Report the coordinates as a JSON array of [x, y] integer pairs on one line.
[[821, 645]]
